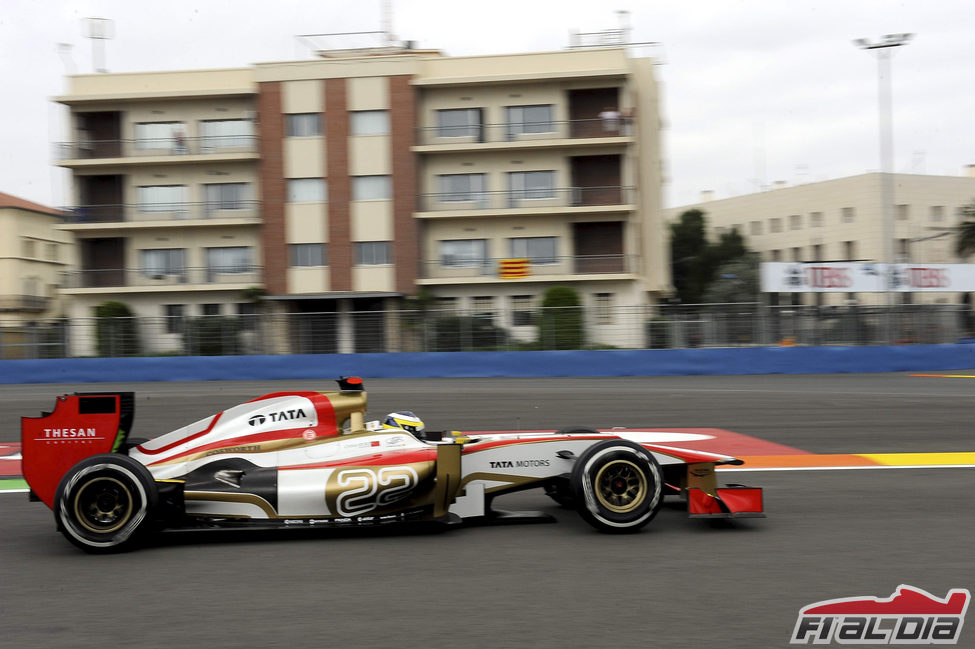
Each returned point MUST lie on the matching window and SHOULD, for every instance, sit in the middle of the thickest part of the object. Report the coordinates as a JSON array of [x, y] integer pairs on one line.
[[303, 124], [52, 252], [162, 198], [482, 307], [373, 253], [903, 212], [307, 190], [937, 213], [230, 259], [447, 304], [795, 222], [369, 122], [161, 135], [461, 188], [28, 248], [459, 122], [797, 254], [775, 224], [903, 250], [604, 308], [850, 250], [464, 253], [776, 255], [816, 220], [371, 188], [848, 215], [817, 251], [225, 196], [210, 309], [530, 185], [521, 311], [540, 250], [247, 316], [755, 227], [226, 134], [529, 119], [173, 313], [307, 254], [163, 261]]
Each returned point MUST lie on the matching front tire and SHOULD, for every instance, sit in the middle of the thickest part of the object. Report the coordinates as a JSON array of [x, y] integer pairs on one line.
[[618, 486], [105, 503]]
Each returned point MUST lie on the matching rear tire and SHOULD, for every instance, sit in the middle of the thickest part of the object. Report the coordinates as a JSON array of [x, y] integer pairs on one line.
[[618, 486], [105, 503]]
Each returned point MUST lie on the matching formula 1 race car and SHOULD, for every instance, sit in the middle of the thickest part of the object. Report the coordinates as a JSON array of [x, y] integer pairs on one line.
[[309, 459]]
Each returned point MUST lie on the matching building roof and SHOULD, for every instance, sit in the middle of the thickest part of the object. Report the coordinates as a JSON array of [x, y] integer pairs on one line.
[[8, 200]]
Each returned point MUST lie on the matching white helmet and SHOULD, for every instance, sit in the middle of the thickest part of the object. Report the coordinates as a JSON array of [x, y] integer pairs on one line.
[[406, 420]]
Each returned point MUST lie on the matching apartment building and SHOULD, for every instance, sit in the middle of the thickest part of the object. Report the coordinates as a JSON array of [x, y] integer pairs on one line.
[[33, 256], [165, 195], [346, 183], [841, 220]]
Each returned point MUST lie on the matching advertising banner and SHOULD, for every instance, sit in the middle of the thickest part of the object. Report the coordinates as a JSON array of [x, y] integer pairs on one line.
[[865, 277]]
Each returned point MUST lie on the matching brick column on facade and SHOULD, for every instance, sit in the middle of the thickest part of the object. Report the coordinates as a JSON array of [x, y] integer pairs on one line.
[[339, 213], [270, 132], [406, 251]]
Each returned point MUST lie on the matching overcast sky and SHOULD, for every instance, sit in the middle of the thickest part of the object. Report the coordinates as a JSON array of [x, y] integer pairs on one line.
[[753, 91]]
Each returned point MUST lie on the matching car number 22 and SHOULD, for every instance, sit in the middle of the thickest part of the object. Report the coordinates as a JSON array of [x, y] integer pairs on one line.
[[361, 490]]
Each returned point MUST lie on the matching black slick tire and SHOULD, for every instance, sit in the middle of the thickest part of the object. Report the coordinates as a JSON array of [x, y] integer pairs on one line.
[[105, 503], [618, 486]]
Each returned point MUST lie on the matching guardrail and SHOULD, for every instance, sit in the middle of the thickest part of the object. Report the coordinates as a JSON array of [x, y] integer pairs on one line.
[[135, 212], [524, 131], [122, 277], [446, 268], [129, 148], [527, 198]]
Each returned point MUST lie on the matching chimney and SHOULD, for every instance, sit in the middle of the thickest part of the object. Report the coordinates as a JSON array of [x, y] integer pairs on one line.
[[971, 170], [779, 184], [707, 195]]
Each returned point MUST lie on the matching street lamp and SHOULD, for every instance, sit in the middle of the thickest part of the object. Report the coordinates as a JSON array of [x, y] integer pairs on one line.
[[883, 48]]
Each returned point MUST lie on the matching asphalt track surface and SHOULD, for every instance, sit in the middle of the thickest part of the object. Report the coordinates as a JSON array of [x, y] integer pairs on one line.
[[678, 583]]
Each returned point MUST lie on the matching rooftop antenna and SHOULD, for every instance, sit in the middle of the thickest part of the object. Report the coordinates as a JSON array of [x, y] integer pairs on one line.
[[64, 51], [387, 21], [98, 30]]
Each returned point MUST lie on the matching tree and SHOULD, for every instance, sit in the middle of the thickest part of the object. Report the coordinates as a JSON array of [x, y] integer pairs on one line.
[[560, 325], [688, 255], [735, 281], [116, 330], [965, 245], [695, 261]]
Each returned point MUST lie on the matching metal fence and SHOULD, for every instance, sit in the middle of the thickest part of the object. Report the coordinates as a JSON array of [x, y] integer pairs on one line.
[[627, 327]]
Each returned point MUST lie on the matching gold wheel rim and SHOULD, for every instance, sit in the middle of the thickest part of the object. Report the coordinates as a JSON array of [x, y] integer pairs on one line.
[[103, 505], [621, 486]]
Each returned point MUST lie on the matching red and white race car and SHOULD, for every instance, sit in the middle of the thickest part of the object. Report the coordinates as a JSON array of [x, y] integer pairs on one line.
[[309, 459]]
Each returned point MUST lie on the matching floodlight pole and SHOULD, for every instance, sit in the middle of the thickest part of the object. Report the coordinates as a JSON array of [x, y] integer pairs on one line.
[[886, 132]]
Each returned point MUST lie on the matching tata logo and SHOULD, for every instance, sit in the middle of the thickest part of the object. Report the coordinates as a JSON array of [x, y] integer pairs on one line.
[[274, 417]]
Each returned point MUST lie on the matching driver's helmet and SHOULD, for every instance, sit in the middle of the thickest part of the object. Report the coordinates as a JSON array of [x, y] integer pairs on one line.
[[406, 420]]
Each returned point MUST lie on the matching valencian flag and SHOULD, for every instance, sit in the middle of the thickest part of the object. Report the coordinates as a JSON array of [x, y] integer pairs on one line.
[[513, 268]]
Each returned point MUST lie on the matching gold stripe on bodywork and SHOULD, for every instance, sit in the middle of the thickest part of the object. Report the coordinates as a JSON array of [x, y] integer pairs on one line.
[[218, 496], [512, 480]]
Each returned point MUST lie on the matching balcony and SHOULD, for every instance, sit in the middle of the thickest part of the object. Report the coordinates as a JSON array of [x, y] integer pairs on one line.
[[528, 200], [160, 280], [532, 134], [492, 270], [24, 303], [166, 212], [168, 149]]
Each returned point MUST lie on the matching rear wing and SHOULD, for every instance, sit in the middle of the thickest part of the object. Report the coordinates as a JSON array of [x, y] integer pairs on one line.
[[81, 425]]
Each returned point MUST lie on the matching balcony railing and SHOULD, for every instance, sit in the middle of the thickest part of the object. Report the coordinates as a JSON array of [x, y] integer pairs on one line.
[[526, 198], [525, 131], [162, 212], [138, 277], [208, 145], [538, 267], [27, 303]]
